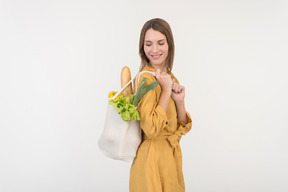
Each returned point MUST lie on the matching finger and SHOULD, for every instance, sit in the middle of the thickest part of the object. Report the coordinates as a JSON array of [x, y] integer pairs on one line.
[[167, 76], [157, 73], [178, 89], [174, 86], [182, 89], [161, 74]]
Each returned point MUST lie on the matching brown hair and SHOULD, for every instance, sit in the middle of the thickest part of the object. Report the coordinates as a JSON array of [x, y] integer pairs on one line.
[[163, 27]]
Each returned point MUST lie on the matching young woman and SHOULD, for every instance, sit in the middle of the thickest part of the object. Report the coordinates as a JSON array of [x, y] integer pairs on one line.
[[157, 166]]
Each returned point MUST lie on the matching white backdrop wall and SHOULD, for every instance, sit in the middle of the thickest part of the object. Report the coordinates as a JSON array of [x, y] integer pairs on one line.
[[60, 59]]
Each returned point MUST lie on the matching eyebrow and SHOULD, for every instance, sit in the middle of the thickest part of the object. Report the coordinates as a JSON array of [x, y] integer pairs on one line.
[[158, 40]]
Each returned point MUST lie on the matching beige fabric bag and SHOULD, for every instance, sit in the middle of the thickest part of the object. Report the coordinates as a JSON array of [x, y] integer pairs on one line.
[[120, 140]]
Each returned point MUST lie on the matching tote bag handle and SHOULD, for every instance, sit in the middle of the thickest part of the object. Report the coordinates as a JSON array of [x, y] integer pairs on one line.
[[131, 81]]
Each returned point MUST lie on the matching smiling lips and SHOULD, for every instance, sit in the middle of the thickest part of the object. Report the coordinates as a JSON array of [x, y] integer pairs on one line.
[[156, 56]]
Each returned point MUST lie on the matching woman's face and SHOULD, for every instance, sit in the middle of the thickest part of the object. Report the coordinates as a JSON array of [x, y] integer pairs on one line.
[[156, 47]]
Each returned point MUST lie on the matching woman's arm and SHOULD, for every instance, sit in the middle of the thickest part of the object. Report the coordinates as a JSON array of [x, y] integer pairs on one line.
[[178, 95], [181, 112], [153, 117], [165, 81], [164, 99]]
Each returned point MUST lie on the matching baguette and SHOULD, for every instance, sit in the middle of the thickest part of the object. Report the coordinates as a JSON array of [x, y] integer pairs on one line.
[[125, 78]]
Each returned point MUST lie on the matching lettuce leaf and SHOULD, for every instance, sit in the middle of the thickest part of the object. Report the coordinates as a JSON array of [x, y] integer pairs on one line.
[[124, 107]]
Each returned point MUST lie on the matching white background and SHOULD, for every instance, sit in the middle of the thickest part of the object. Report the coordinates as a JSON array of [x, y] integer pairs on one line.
[[60, 59]]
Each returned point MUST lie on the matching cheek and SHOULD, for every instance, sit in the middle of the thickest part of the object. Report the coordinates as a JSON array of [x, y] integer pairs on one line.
[[146, 51], [167, 48], [164, 49]]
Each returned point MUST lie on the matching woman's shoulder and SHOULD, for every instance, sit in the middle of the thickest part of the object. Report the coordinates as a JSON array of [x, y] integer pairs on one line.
[[144, 74], [147, 72], [149, 77]]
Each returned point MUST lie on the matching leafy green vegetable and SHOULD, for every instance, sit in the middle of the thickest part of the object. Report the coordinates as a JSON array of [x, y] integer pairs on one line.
[[125, 116], [131, 97], [126, 106], [143, 90]]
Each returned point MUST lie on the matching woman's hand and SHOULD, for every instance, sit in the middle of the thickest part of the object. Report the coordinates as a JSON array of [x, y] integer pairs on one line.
[[165, 81], [178, 93]]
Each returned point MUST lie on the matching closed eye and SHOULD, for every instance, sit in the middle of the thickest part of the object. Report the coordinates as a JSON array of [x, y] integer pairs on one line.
[[160, 42]]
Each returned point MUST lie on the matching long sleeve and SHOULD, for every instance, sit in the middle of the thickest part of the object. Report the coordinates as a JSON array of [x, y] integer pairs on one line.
[[183, 128], [153, 117]]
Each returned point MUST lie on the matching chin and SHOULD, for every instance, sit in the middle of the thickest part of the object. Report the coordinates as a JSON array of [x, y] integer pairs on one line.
[[157, 63]]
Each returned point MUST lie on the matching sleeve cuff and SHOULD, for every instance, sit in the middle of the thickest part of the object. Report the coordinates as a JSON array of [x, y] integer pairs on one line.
[[182, 127], [189, 121]]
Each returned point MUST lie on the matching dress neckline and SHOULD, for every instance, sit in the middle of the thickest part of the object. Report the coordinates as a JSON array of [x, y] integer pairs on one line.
[[150, 68]]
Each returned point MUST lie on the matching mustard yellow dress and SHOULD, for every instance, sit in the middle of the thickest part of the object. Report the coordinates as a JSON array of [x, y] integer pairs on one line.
[[157, 166]]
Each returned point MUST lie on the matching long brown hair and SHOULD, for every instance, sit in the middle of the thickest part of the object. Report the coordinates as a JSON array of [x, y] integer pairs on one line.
[[163, 27]]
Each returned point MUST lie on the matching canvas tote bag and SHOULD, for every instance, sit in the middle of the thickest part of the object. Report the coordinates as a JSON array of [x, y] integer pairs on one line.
[[120, 140]]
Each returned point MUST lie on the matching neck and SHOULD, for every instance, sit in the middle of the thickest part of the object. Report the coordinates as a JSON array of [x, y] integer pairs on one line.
[[162, 67]]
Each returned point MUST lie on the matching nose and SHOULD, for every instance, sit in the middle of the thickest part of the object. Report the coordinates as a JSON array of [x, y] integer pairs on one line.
[[155, 48]]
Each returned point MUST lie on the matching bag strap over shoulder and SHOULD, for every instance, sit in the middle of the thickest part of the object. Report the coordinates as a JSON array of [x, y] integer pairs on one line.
[[138, 77], [131, 81]]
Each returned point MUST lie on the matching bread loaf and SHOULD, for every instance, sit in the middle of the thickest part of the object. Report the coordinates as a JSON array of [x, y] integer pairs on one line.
[[125, 78]]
